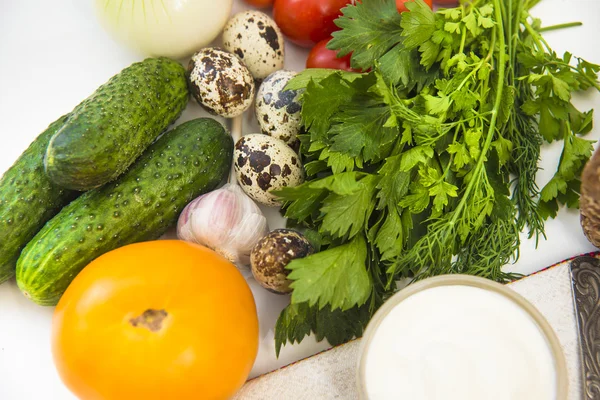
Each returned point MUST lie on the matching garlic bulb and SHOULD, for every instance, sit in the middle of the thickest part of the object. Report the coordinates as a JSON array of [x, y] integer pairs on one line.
[[225, 220]]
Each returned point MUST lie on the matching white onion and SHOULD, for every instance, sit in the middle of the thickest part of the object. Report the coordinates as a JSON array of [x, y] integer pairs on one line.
[[170, 28]]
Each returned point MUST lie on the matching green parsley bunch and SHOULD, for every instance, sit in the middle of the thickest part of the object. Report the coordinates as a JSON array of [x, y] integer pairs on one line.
[[426, 164]]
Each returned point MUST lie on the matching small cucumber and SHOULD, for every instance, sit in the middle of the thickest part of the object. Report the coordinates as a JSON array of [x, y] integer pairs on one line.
[[28, 199], [141, 205], [109, 130]]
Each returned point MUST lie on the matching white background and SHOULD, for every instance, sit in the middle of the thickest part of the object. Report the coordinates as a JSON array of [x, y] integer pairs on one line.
[[53, 54]]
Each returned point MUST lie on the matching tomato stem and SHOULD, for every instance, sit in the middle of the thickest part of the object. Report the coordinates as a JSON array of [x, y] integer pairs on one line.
[[150, 319]]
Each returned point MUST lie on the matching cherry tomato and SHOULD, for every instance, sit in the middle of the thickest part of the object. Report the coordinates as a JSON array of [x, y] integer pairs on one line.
[[321, 57], [307, 22], [260, 3], [401, 7]]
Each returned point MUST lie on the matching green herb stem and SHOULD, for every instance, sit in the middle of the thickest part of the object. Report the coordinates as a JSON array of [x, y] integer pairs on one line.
[[516, 30], [492, 127], [463, 41], [481, 63], [560, 26], [534, 35]]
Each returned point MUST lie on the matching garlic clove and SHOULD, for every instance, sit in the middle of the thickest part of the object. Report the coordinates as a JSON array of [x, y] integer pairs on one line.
[[184, 225], [225, 220], [215, 217], [244, 239]]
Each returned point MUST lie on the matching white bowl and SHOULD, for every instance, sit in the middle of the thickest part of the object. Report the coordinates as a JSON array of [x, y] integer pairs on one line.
[[561, 379]]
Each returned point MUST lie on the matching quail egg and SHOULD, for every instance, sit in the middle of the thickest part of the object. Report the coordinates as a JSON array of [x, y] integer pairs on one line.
[[255, 38], [273, 253], [278, 110], [220, 82], [263, 164]]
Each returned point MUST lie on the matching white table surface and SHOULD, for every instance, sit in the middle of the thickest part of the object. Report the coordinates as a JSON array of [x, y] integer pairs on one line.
[[53, 54]]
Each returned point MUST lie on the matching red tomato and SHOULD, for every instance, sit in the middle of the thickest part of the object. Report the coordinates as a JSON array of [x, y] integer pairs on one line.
[[401, 7], [260, 3], [321, 57], [307, 22]]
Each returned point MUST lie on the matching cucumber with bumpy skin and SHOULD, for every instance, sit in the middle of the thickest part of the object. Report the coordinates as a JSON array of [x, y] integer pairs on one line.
[[28, 199], [141, 205], [110, 129]]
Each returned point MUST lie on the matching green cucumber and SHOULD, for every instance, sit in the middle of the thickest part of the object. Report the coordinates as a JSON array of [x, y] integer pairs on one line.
[[28, 199], [109, 130], [141, 205]]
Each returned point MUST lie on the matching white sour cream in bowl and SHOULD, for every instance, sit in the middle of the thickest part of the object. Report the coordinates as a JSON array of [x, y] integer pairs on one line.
[[460, 338]]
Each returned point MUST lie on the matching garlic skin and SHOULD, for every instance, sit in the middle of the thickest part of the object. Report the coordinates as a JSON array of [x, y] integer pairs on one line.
[[225, 220]]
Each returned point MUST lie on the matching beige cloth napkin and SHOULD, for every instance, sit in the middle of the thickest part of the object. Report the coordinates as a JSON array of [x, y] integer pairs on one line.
[[332, 374]]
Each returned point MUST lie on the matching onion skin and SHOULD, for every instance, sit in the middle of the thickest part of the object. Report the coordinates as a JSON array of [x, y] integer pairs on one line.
[[168, 28]]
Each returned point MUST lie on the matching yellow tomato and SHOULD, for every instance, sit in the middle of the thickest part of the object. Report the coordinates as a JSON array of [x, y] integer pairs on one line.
[[156, 320]]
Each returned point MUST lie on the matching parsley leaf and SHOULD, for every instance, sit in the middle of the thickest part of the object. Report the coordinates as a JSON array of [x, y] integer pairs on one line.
[[504, 149], [305, 200], [296, 322], [336, 277], [437, 105], [347, 214], [394, 183], [473, 139], [438, 189], [339, 326], [418, 24], [390, 238], [576, 153], [461, 156], [340, 162], [368, 30], [322, 101], [359, 130], [464, 99], [316, 75], [418, 199], [440, 192], [401, 66], [550, 127], [413, 157]]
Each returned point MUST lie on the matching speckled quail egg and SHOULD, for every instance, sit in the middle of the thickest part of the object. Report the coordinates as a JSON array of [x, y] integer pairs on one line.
[[255, 38], [263, 164], [220, 82], [278, 110], [273, 253]]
